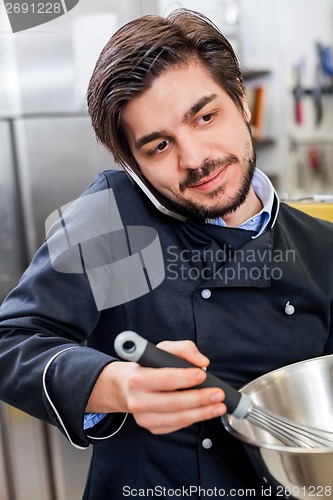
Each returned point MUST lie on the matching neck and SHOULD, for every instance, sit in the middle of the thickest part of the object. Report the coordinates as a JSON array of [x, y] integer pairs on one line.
[[250, 208]]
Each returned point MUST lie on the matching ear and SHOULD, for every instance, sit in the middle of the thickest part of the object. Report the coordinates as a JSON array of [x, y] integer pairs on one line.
[[246, 110]]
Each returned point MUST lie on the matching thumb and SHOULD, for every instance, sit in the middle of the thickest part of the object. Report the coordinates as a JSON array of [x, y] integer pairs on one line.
[[185, 349]]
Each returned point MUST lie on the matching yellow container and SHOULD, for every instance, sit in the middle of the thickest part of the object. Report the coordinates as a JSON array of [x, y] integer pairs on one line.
[[320, 210]]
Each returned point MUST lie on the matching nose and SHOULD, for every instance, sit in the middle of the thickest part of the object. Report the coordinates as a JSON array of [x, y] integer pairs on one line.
[[192, 151]]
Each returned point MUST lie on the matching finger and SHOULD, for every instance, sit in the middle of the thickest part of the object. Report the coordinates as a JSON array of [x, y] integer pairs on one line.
[[185, 349], [171, 402], [165, 379], [170, 422]]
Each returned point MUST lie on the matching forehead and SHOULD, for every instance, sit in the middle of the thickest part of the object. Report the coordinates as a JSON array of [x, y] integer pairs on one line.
[[169, 98]]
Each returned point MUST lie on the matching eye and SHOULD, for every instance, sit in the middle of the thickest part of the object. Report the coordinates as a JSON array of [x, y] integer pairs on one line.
[[160, 147], [204, 119]]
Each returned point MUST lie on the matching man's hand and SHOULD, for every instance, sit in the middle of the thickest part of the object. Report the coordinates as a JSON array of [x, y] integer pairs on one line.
[[153, 395]]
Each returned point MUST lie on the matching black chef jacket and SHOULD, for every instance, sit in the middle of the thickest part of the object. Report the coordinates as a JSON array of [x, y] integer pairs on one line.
[[55, 341]]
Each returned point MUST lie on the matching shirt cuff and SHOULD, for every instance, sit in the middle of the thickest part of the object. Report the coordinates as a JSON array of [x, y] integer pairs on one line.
[[91, 419]]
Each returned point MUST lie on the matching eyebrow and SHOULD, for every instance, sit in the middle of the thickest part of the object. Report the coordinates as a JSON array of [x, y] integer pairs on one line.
[[198, 106], [146, 139]]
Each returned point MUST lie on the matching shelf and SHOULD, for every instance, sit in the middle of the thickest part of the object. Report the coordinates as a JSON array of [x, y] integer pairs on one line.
[[263, 143], [323, 90], [253, 74]]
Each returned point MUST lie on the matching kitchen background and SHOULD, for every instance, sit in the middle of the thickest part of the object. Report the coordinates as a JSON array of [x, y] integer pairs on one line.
[[48, 154]]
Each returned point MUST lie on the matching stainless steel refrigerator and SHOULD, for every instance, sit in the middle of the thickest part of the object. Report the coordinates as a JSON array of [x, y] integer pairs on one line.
[[48, 155]]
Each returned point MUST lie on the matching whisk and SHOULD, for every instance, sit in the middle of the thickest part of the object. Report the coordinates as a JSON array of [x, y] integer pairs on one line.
[[132, 347]]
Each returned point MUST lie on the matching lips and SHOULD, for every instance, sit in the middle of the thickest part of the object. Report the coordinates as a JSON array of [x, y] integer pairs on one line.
[[209, 182]]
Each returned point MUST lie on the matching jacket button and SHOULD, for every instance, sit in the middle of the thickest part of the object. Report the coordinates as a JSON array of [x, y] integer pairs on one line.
[[206, 294], [207, 443], [289, 309]]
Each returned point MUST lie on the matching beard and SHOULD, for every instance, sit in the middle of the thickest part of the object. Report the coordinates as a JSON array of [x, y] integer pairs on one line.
[[221, 204]]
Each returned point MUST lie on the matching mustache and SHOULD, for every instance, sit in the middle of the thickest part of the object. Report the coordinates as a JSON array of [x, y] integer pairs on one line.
[[207, 168]]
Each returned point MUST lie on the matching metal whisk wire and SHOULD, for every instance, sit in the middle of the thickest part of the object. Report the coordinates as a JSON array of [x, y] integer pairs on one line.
[[288, 431]]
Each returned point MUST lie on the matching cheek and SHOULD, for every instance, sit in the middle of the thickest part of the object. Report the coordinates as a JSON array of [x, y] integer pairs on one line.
[[239, 137], [166, 179], [162, 173]]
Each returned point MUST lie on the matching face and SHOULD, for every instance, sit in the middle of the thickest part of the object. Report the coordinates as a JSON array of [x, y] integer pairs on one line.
[[191, 141]]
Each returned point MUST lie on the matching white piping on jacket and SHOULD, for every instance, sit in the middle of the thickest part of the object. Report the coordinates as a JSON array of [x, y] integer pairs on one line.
[[50, 401], [111, 435], [56, 411]]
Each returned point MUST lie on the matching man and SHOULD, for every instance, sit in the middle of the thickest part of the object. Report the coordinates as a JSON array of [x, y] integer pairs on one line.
[[247, 284]]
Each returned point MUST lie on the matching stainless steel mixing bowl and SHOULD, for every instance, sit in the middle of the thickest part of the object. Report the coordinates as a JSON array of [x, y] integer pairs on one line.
[[302, 392]]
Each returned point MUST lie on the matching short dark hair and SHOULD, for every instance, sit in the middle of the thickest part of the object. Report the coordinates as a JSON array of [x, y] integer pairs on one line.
[[141, 51]]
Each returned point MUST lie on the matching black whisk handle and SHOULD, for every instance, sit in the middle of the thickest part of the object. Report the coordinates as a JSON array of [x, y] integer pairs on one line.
[[132, 347]]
